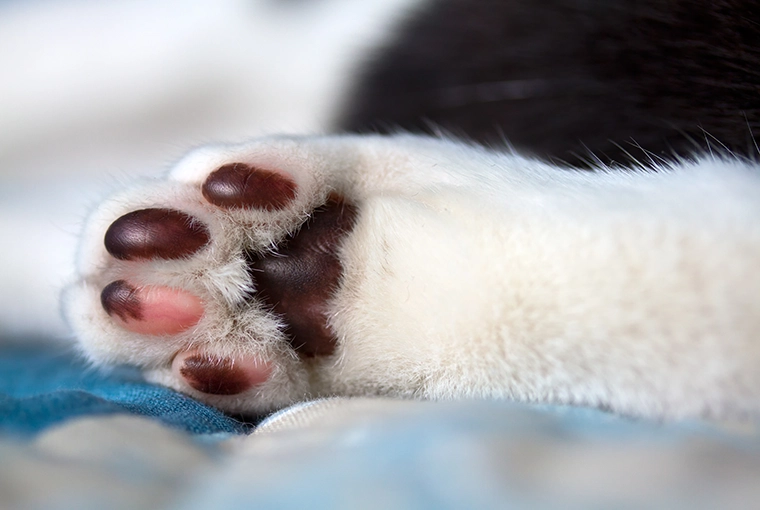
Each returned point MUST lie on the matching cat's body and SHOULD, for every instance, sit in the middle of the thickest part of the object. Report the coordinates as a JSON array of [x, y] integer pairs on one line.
[[449, 270], [577, 81]]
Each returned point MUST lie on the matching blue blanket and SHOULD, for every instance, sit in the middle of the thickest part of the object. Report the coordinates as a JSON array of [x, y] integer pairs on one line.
[[43, 385], [344, 453]]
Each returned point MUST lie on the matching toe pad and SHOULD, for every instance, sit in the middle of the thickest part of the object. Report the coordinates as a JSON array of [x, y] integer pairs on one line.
[[238, 185], [155, 233], [220, 376]]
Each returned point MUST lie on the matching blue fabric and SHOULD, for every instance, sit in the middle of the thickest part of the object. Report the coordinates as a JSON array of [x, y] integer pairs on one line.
[[42, 385]]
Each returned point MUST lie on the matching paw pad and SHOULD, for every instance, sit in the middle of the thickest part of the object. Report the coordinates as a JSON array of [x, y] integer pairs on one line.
[[220, 376], [151, 310], [300, 279], [155, 233], [238, 185], [120, 299]]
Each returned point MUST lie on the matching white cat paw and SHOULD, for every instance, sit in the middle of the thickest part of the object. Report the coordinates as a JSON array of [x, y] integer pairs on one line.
[[218, 280]]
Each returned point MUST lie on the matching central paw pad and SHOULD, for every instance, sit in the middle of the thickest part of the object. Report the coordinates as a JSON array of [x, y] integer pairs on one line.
[[300, 279]]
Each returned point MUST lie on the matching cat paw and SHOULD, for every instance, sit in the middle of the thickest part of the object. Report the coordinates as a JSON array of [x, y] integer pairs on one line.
[[219, 279], [287, 268]]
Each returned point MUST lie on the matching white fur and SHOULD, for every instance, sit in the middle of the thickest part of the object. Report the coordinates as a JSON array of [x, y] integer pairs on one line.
[[472, 273]]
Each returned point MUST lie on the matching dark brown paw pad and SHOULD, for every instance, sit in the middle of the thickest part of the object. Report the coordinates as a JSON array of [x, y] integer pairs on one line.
[[220, 376], [241, 186], [155, 234], [298, 282], [120, 298]]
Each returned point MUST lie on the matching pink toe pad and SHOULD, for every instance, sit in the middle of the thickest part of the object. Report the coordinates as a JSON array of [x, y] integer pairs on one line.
[[151, 310]]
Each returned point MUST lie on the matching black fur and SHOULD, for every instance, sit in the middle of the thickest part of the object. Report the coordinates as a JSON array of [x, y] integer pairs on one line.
[[566, 78]]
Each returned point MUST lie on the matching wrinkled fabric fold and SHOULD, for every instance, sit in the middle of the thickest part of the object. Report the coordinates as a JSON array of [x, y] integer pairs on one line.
[[46, 385]]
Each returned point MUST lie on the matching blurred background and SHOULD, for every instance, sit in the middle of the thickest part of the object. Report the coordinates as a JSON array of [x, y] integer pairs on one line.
[[96, 93]]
